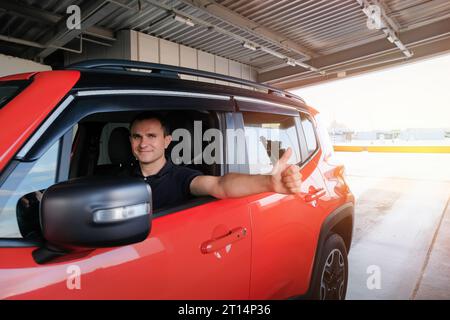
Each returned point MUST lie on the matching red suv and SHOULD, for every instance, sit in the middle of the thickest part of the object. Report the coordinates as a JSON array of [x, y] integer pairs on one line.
[[70, 228]]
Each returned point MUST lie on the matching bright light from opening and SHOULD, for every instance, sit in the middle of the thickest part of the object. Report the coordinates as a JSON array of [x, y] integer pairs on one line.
[[408, 96]]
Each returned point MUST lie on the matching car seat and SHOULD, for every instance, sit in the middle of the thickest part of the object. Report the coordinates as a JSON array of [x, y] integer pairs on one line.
[[119, 151]]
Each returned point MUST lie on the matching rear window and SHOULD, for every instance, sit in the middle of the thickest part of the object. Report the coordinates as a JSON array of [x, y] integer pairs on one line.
[[10, 89], [268, 137]]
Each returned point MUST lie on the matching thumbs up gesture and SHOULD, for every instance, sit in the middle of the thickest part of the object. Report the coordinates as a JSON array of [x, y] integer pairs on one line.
[[286, 178]]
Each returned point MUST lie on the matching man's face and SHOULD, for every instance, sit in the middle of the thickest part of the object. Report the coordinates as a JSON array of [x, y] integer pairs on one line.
[[147, 140]]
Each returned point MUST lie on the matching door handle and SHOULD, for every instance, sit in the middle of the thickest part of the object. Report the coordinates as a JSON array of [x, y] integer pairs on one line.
[[214, 245], [315, 194]]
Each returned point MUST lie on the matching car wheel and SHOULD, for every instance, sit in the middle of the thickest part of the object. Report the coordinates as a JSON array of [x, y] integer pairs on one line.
[[332, 277]]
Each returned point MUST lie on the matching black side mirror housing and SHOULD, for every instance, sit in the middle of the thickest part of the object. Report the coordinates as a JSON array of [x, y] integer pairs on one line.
[[95, 212]]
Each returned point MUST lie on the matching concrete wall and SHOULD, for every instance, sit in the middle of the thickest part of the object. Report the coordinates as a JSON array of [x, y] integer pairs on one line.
[[11, 65], [139, 46]]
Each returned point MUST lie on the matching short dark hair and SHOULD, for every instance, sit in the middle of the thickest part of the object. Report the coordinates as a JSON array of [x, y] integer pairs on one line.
[[147, 115]]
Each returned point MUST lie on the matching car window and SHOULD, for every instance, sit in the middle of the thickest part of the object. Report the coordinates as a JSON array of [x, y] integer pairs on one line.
[[325, 141], [310, 135], [27, 177], [267, 137]]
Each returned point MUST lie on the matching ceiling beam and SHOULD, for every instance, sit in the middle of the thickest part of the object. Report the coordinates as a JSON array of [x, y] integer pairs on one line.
[[385, 24], [91, 13], [409, 37], [391, 21], [421, 51], [223, 13], [38, 15]]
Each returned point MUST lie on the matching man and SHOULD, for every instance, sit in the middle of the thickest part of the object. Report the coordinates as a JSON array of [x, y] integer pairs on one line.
[[172, 184]]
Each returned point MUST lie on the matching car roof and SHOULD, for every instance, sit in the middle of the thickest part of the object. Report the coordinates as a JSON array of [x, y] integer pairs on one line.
[[112, 74]]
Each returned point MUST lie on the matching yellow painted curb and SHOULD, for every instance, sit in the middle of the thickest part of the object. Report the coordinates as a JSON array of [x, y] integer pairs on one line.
[[399, 149]]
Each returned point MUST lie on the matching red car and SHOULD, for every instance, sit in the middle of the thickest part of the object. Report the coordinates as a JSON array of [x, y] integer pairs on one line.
[[71, 229]]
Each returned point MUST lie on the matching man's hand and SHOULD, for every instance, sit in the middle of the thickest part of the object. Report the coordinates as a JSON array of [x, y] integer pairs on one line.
[[286, 178]]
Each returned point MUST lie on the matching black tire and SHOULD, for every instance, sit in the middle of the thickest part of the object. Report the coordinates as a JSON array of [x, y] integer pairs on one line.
[[332, 271]]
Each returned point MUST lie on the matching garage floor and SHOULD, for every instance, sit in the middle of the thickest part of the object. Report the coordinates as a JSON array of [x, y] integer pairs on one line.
[[401, 244]]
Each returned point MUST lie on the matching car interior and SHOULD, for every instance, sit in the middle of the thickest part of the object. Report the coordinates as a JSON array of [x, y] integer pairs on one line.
[[101, 144]]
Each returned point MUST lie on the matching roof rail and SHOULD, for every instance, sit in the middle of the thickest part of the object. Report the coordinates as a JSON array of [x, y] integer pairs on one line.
[[118, 64]]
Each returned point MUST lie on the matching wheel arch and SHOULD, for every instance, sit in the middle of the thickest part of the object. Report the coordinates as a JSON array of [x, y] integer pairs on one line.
[[340, 221], [344, 228]]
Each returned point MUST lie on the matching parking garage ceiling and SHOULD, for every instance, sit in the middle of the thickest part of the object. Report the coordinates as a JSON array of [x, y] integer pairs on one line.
[[290, 43]]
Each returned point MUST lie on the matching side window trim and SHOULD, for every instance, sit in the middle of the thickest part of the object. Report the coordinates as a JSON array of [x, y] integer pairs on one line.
[[44, 127], [63, 161], [264, 106], [302, 140], [304, 146], [235, 121], [222, 122]]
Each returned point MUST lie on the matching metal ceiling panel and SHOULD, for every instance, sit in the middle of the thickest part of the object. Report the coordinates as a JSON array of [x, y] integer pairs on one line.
[[304, 30]]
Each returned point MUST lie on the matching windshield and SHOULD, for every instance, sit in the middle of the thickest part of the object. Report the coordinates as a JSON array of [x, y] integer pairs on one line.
[[10, 89]]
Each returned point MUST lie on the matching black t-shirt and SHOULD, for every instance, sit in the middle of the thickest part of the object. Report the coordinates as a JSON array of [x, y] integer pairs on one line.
[[170, 186]]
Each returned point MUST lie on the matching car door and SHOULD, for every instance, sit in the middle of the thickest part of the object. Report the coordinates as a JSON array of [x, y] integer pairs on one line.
[[174, 262], [201, 250], [284, 236]]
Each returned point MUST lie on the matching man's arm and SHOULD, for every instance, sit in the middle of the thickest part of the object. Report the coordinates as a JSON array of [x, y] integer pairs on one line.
[[284, 178]]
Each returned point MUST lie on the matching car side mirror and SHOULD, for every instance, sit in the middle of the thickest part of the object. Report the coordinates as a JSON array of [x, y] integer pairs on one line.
[[93, 212]]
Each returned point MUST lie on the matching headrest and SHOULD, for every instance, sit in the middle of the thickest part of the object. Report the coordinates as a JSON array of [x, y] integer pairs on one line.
[[119, 146]]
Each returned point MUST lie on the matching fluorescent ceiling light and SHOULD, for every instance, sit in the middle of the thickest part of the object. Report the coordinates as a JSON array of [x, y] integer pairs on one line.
[[402, 47], [249, 45], [183, 20], [316, 70], [408, 53], [290, 62], [301, 64], [306, 66]]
